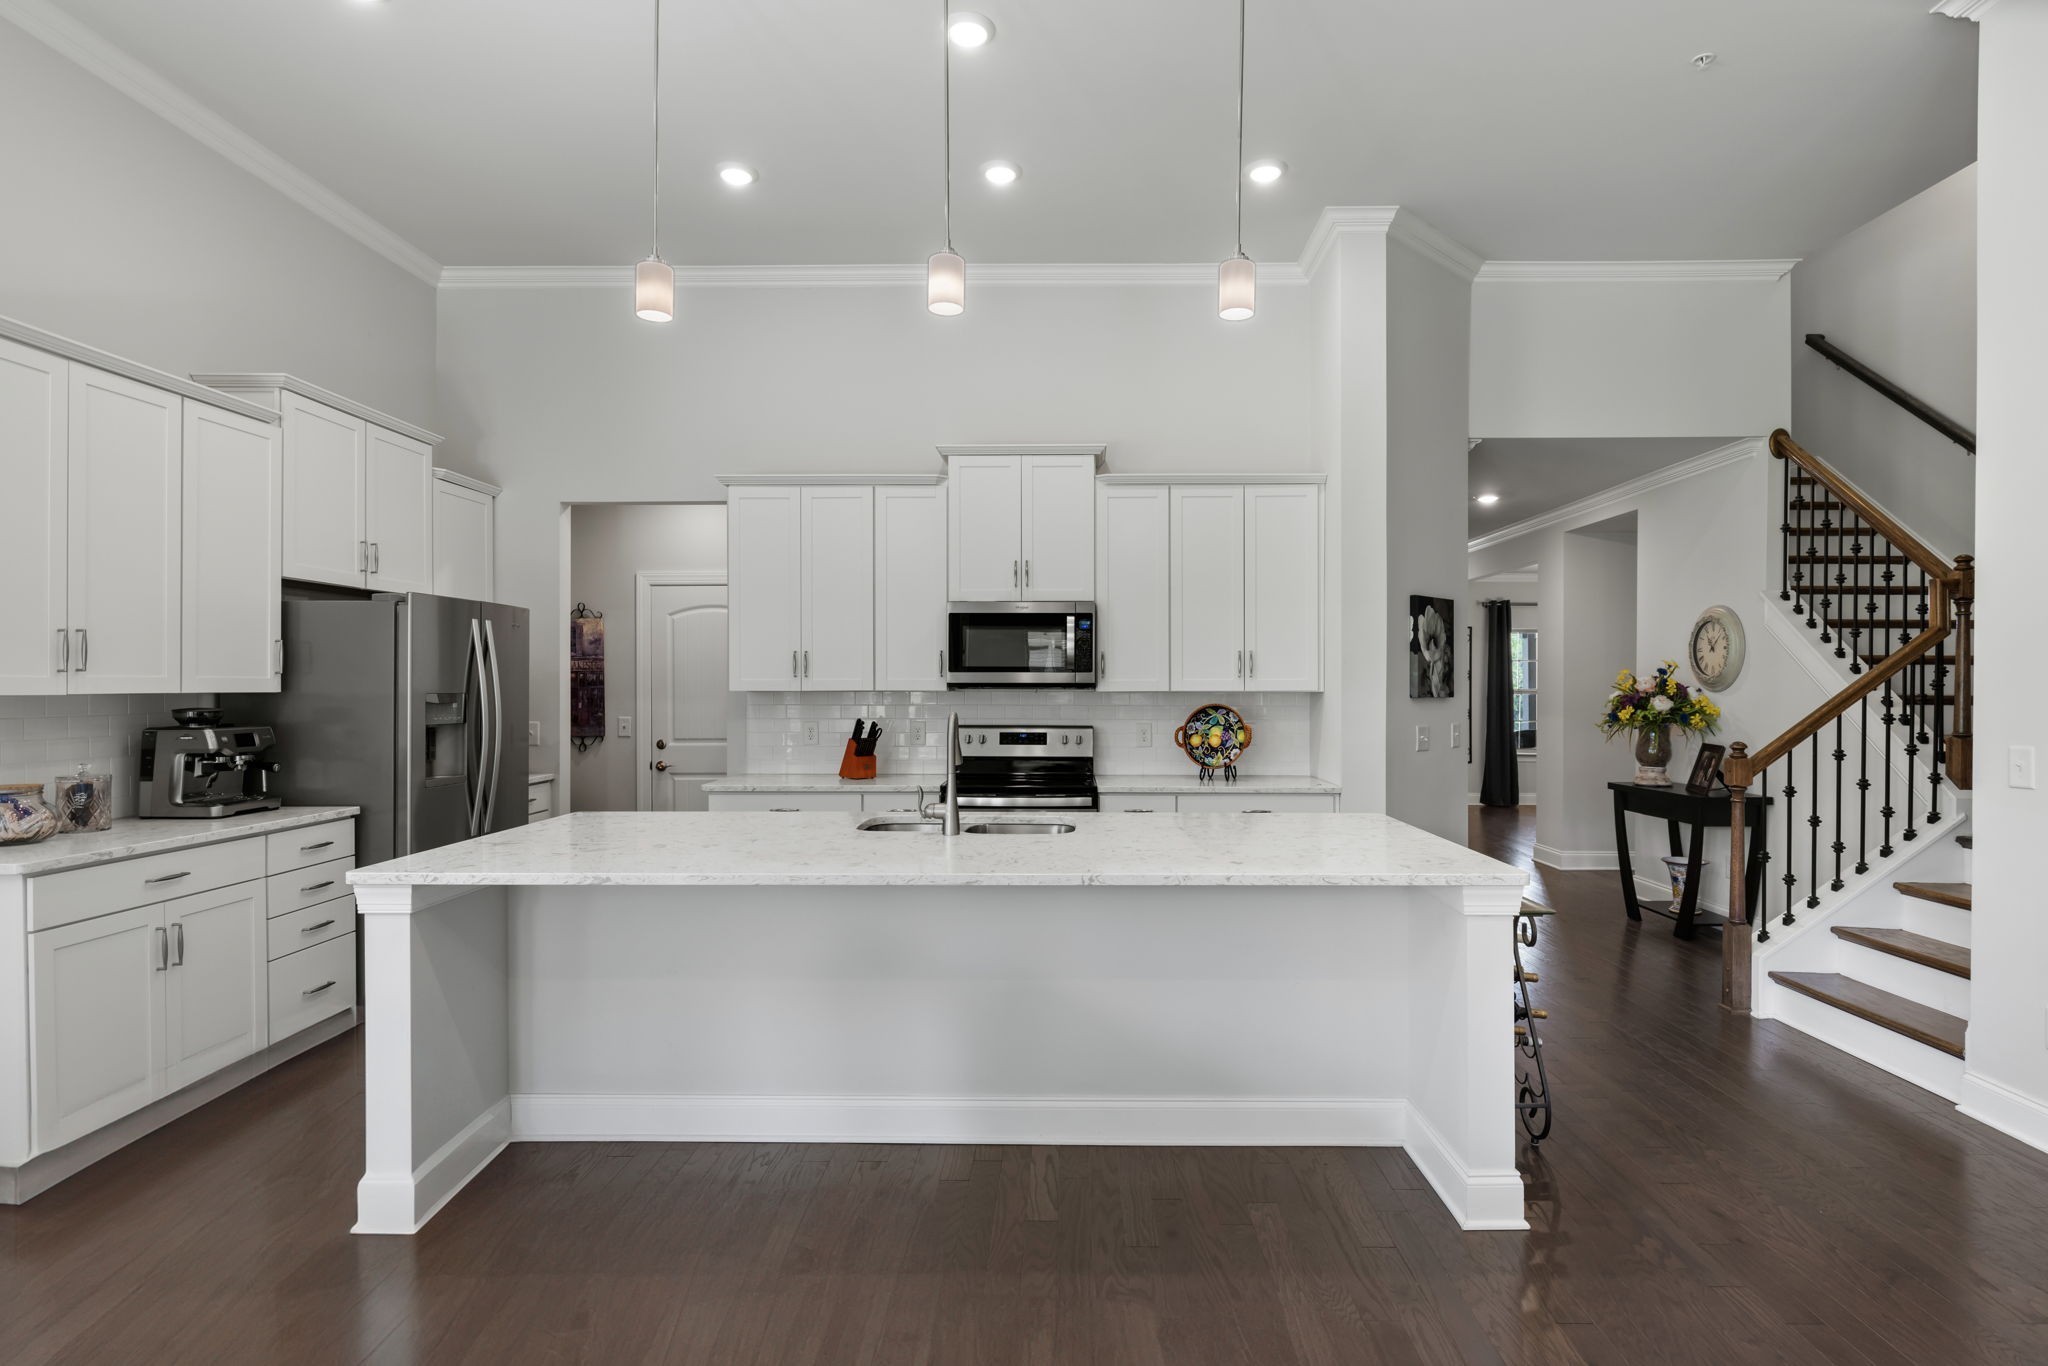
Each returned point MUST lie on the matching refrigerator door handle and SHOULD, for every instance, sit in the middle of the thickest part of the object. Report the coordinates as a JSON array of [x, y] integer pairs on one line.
[[497, 725], [478, 781]]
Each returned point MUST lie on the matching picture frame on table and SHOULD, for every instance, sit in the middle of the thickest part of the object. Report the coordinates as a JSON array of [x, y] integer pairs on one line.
[[1706, 770]]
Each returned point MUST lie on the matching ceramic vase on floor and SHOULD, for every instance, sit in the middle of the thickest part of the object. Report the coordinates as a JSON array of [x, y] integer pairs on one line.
[[1653, 752]]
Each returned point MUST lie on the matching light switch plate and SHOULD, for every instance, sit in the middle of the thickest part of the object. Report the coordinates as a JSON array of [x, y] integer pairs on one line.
[[913, 734], [810, 732], [1144, 735], [625, 727], [533, 732], [1421, 738], [2019, 766], [1457, 735]]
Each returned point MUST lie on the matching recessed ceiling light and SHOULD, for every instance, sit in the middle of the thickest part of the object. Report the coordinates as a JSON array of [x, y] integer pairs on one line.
[[1000, 172], [736, 175], [1266, 172], [970, 30], [1487, 500]]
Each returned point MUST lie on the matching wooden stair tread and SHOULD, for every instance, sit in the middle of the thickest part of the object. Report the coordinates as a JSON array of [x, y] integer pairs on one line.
[[1920, 1023], [1956, 894], [1928, 952]]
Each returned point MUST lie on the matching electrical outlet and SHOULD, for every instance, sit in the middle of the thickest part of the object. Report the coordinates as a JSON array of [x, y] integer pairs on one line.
[[1144, 735], [1421, 738], [2019, 766], [810, 732], [533, 732], [625, 727], [913, 733], [1457, 735]]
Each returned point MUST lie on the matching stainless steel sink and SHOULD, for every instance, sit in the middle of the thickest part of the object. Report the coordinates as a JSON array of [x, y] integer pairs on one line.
[[897, 827], [1021, 828]]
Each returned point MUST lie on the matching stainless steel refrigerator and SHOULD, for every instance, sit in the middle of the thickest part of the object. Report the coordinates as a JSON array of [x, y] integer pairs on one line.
[[412, 707]]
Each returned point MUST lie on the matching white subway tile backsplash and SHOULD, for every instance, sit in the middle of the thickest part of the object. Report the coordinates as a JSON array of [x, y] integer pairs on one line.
[[44, 737]]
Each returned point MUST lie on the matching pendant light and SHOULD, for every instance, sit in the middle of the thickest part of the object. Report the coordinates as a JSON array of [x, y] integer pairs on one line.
[[1237, 278], [654, 280], [945, 274]]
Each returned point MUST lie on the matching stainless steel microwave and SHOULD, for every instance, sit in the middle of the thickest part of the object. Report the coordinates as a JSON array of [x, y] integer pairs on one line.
[[1020, 645]]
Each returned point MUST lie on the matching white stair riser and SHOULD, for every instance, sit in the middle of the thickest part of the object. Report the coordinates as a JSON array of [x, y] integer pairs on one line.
[[1936, 921], [1895, 1053], [1929, 986]]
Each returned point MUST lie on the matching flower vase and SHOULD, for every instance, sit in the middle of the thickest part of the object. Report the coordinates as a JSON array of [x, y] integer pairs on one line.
[[1653, 752]]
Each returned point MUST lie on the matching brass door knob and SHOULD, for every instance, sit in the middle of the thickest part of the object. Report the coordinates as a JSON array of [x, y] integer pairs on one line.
[[661, 765]]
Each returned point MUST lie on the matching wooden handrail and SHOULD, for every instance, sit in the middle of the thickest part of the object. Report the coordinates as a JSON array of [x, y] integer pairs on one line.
[[1886, 525], [1849, 365]]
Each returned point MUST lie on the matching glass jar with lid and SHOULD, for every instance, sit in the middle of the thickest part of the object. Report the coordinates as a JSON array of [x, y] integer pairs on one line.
[[24, 816]]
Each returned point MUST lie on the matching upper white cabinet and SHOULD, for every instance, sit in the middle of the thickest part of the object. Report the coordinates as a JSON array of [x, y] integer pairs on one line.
[[358, 487], [1021, 523], [35, 407], [126, 504], [465, 537], [801, 587], [233, 553], [1132, 599], [1247, 587], [910, 587]]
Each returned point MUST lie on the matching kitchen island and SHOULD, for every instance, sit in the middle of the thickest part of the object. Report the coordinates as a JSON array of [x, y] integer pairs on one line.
[[1144, 979]]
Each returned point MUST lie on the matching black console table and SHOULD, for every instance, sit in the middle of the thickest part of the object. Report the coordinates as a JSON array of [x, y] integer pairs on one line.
[[1677, 806]]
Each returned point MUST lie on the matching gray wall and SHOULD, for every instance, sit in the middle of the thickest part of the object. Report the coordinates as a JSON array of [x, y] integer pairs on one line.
[[122, 232], [1899, 294]]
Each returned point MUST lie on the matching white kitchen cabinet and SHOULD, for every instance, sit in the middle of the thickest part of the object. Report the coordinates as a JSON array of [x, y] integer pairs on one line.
[[1254, 803], [838, 588], [910, 587], [1021, 526], [324, 451], [1133, 603], [1283, 581], [125, 515], [216, 987], [97, 1022], [233, 553], [35, 406], [540, 800], [398, 512], [764, 574], [1208, 588], [784, 801], [465, 537]]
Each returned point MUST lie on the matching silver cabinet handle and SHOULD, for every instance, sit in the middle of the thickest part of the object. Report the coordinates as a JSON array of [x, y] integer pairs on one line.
[[163, 949], [807, 663], [1251, 663], [279, 647], [1240, 663], [792, 664], [1256, 811], [177, 943], [376, 558], [1027, 573], [1138, 811], [167, 877], [1101, 666], [82, 655], [309, 848], [363, 557], [1014, 581], [316, 887], [64, 650], [783, 808], [315, 991], [314, 929]]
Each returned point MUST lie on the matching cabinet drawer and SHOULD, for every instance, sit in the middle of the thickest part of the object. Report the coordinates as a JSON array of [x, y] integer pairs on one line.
[[1253, 803], [786, 801], [290, 849], [61, 898], [308, 986], [309, 886], [1139, 803], [302, 929]]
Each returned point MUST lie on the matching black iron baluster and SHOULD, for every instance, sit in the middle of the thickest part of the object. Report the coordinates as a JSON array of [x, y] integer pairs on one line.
[[1863, 787], [1855, 623], [1884, 850], [1785, 534], [1938, 753], [1760, 914], [1813, 824], [1912, 788], [1832, 535], [1801, 542], [1813, 554], [1878, 542], [1839, 847], [1791, 877]]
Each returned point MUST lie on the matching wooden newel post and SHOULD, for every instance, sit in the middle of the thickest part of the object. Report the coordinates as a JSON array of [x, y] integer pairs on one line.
[[1735, 936], [1962, 732]]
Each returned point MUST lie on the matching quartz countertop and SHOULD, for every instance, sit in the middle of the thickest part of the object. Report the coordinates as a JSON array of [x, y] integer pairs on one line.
[[1107, 783], [826, 848], [132, 837]]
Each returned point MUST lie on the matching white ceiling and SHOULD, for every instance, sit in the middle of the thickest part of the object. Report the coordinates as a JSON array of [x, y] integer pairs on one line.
[[1538, 475], [515, 132]]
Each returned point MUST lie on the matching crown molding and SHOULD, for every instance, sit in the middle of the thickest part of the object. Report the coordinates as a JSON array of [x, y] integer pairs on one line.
[[737, 481], [1690, 468], [855, 276], [1261, 478], [1402, 225], [1635, 272], [1419, 233], [1095, 450], [1963, 9], [466, 481], [89, 50], [13, 329], [1333, 222], [307, 389]]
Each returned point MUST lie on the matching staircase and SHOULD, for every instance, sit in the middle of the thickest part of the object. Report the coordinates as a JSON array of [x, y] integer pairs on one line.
[[1861, 936]]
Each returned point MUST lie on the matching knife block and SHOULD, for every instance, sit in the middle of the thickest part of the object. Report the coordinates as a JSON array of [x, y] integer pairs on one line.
[[855, 767]]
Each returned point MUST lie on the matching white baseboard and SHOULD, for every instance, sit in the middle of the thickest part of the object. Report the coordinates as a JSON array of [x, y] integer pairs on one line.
[[2004, 1109], [1478, 1200], [401, 1205], [1928, 1068], [1577, 860]]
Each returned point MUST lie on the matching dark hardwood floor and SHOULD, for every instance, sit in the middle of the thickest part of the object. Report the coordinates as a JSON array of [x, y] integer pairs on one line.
[[1715, 1191]]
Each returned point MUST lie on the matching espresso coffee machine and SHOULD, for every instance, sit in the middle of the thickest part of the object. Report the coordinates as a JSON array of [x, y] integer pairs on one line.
[[206, 771]]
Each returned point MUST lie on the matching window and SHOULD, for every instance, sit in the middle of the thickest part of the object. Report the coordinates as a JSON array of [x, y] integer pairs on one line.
[[1522, 674]]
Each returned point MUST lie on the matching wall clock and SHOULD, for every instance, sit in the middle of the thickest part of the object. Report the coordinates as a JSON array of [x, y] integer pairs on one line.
[[1716, 648]]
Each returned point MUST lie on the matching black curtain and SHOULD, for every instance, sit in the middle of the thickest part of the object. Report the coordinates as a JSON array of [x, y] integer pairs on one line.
[[1500, 783]]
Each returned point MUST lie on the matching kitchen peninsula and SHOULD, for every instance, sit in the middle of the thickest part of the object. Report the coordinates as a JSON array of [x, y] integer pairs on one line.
[[1142, 979]]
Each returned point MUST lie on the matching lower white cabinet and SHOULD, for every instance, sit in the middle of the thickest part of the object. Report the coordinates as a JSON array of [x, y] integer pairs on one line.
[[540, 801], [785, 801], [214, 984], [1257, 803], [308, 986], [97, 1022]]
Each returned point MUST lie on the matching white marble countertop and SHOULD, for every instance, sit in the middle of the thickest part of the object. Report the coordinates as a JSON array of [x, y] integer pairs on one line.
[[826, 848], [1108, 783], [533, 778], [132, 837]]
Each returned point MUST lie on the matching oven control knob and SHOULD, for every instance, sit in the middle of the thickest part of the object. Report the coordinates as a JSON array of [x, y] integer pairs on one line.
[[1066, 739], [981, 739]]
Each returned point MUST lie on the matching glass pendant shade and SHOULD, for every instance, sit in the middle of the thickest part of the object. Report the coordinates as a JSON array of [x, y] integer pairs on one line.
[[654, 290], [945, 284], [1236, 283]]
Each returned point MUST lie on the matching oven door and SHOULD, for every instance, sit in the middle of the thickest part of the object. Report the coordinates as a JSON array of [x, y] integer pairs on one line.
[[1020, 645]]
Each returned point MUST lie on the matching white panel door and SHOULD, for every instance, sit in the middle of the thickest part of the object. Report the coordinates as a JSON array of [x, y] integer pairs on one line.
[[910, 587], [1059, 528], [1208, 588], [1283, 585], [324, 448], [126, 513], [217, 989], [398, 502], [764, 562], [985, 528], [838, 589], [464, 542], [234, 552], [35, 406], [687, 693], [96, 1022], [1133, 604]]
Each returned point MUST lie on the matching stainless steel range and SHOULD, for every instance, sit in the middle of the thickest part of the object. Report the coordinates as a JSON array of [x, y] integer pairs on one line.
[[1027, 767]]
